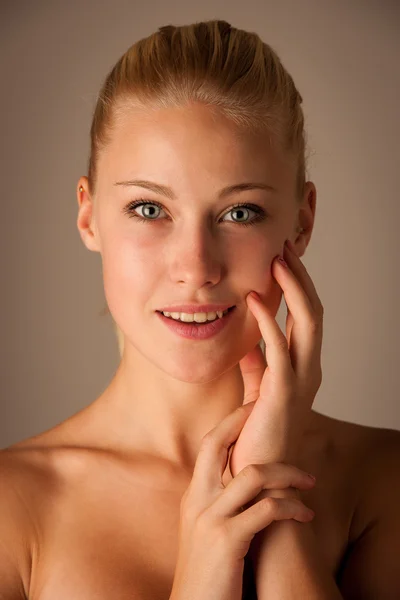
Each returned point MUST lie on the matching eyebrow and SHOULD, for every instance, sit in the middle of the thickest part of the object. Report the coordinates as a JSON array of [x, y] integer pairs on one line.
[[169, 193]]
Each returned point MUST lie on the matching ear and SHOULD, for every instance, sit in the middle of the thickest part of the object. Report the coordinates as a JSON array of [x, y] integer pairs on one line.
[[306, 218], [86, 221]]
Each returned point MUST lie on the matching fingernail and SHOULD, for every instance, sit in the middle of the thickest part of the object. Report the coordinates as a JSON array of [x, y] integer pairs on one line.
[[312, 476], [254, 295], [282, 261], [291, 247]]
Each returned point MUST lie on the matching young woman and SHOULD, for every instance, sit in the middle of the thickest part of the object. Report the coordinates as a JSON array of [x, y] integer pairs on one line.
[[188, 477]]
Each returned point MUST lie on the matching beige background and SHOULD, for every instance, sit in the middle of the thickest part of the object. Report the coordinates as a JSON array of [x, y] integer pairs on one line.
[[57, 354]]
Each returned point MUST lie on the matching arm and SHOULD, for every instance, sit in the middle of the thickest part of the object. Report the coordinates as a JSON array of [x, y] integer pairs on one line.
[[13, 527], [287, 562], [288, 566], [11, 585], [371, 568]]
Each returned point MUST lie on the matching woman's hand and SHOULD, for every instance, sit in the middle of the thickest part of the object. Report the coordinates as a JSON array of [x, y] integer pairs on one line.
[[284, 390], [218, 523]]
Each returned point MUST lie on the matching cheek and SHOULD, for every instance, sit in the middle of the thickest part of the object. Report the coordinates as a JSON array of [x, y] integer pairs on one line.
[[129, 275], [257, 275]]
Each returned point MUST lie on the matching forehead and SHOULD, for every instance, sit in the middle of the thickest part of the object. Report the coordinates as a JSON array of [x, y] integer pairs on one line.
[[188, 145]]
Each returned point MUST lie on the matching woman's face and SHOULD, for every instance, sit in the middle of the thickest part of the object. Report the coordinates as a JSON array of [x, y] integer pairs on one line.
[[195, 247]]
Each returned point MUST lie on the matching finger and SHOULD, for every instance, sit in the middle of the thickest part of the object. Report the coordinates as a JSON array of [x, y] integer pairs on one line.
[[253, 479], [252, 367], [304, 348], [305, 315], [213, 454], [261, 514], [276, 347], [301, 273]]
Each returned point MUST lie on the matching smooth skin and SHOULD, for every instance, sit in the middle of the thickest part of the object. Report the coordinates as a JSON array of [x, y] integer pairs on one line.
[[279, 397], [284, 383], [112, 476], [216, 527], [165, 397]]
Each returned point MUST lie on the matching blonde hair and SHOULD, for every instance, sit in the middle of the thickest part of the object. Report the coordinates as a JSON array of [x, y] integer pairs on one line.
[[230, 70]]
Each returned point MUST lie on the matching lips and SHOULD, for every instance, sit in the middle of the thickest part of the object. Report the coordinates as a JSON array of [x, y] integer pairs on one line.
[[200, 331]]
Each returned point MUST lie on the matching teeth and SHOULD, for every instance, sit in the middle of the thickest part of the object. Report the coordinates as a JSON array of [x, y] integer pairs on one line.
[[197, 317]]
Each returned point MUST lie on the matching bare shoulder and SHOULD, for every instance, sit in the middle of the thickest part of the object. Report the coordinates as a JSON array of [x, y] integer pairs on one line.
[[30, 480], [354, 439], [18, 520], [368, 458], [40, 465], [369, 568], [378, 479]]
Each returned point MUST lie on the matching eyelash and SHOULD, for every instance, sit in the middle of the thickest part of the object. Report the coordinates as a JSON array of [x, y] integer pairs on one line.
[[142, 201]]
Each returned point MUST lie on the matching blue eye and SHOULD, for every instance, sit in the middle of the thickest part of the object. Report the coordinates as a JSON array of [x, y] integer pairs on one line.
[[240, 208]]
